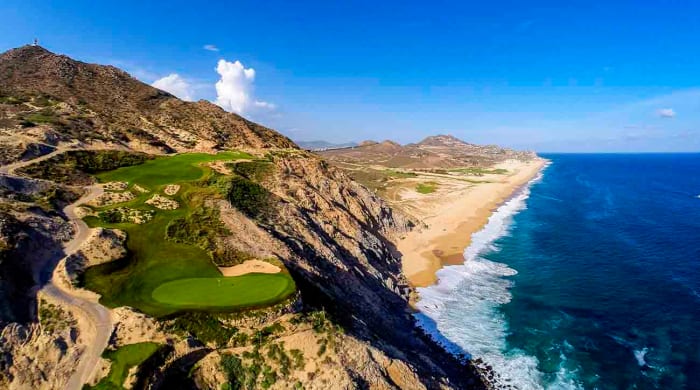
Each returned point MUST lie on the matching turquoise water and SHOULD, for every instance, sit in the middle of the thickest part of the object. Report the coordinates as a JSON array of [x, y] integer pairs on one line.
[[589, 278]]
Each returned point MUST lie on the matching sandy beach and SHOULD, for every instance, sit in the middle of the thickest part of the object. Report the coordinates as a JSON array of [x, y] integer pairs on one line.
[[451, 214]]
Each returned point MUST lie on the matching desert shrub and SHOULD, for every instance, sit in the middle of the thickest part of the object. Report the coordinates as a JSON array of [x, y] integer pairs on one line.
[[201, 228], [228, 257], [234, 370], [297, 358], [277, 353], [202, 326], [250, 198], [44, 101], [261, 336], [74, 165], [56, 198], [47, 116], [256, 171], [269, 377], [16, 100]]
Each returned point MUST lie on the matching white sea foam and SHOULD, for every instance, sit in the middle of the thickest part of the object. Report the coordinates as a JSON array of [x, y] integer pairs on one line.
[[461, 310], [639, 354]]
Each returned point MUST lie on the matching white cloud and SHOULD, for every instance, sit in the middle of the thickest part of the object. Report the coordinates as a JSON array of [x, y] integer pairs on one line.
[[666, 113], [261, 104], [211, 47], [234, 90], [176, 85]]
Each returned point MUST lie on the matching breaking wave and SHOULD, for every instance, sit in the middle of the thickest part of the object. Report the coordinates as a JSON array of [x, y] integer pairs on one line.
[[462, 311]]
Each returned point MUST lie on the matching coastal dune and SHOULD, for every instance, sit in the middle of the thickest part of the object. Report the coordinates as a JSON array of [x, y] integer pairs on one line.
[[452, 215]]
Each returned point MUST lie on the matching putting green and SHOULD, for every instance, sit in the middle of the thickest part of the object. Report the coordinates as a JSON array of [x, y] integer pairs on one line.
[[226, 292]]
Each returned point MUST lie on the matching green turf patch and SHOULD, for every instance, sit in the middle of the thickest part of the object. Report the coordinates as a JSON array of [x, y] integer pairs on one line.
[[217, 293], [166, 170], [475, 171], [175, 246], [123, 359], [426, 188], [399, 174]]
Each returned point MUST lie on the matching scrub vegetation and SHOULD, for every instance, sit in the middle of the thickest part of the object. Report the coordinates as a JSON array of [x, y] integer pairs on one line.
[[73, 166], [474, 171], [427, 187]]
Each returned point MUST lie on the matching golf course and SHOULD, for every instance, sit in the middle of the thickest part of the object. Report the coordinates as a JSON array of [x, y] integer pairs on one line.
[[160, 275]]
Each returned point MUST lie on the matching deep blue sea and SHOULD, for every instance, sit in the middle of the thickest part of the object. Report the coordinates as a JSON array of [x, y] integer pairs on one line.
[[588, 278]]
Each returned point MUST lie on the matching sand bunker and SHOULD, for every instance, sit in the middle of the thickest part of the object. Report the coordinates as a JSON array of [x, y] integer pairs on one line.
[[171, 189], [110, 198], [115, 186], [140, 189], [250, 266], [162, 202]]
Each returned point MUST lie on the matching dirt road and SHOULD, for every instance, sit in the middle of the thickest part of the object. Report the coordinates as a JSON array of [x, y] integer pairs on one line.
[[98, 316]]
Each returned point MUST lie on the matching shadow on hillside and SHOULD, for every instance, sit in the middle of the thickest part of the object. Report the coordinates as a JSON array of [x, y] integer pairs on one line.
[[33, 241], [372, 311]]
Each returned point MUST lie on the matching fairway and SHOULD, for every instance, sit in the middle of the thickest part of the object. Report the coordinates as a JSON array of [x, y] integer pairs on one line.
[[160, 276], [170, 169], [212, 293], [123, 359]]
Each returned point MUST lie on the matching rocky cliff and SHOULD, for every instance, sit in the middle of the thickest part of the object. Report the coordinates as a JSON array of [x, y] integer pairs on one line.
[[330, 232]]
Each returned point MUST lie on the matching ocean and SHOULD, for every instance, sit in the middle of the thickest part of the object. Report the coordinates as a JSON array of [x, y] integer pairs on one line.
[[587, 278]]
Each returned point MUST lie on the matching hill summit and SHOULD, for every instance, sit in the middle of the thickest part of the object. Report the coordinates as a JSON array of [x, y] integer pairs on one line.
[[437, 151], [102, 104]]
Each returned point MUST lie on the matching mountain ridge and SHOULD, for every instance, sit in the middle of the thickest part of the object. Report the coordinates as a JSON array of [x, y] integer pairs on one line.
[[433, 152], [107, 99]]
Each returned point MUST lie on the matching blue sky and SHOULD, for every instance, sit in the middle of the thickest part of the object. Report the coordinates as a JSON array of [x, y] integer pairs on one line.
[[549, 76]]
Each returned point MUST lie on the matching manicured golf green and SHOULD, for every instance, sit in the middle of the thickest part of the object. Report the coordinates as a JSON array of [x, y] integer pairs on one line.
[[123, 359], [215, 293], [168, 169], [144, 279]]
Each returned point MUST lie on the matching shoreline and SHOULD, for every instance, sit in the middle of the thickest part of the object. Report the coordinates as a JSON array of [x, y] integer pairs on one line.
[[452, 219]]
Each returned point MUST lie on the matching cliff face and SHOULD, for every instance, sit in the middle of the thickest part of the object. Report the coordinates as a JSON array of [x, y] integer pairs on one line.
[[332, 233], [30, 239], [338, 235]]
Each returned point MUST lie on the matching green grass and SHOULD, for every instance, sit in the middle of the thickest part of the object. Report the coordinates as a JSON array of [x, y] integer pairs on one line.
[[427, 187], [399, 174], [45, 116], [154, 260], [123, 359], [474, 171], [242, 291], [166, 170]]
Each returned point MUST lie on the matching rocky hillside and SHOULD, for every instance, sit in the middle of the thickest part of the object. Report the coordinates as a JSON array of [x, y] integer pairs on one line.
[[434, 152], [103, 105], [333, 235]]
